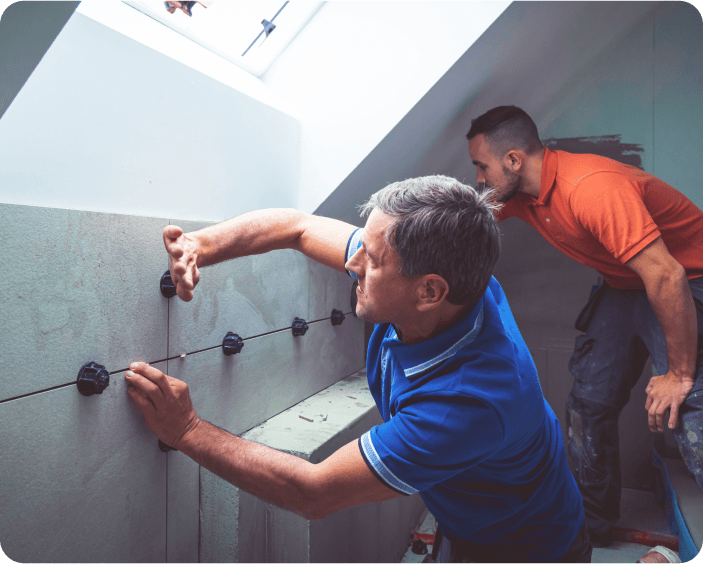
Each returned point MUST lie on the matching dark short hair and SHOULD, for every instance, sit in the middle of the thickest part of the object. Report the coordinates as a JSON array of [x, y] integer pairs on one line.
[[506, 127], [442, 227]]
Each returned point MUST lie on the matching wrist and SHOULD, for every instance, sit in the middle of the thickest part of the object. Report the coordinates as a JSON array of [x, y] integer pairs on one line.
[[683, 375], [188, 438], [199, 248]]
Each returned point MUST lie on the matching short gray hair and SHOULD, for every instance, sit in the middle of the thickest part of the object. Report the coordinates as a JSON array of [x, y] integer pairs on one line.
[[442, 227]]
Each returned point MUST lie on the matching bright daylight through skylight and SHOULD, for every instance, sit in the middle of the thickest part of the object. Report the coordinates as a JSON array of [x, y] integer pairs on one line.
[[229, 28]]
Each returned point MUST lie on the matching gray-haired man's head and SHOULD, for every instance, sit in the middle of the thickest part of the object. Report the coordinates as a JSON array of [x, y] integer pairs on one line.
[[441, 226]]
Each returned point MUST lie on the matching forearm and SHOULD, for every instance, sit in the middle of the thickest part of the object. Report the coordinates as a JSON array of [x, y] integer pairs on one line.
[[673, 304], [276, 477], [251, 233]]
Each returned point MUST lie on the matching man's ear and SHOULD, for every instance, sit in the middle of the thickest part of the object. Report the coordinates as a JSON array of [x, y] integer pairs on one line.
[[513, 160], [432, 291]]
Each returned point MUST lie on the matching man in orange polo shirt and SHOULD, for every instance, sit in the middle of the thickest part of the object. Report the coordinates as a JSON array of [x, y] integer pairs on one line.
[[646, 239]]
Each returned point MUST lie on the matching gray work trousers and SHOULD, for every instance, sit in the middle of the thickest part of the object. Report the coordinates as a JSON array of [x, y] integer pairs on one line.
[[621, 332]]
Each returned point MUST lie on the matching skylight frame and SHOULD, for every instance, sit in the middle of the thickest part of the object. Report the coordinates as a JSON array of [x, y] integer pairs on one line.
[[289, 22]]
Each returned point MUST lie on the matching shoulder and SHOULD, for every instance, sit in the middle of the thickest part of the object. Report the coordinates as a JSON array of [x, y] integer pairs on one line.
[[587, 170]]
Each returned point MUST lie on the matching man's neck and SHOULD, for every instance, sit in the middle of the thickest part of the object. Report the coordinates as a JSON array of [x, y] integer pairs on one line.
[[532, 179], [431, 325]]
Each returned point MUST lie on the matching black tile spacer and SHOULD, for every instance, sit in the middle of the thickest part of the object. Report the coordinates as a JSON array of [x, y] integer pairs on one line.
[[299, 327], [168, 289], [164, 447], [232, 344], [354, 298], [93, 378], [337, 317]]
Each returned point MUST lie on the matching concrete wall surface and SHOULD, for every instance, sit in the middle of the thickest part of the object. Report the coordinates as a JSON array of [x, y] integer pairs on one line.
[[82, 479], [380, 532]]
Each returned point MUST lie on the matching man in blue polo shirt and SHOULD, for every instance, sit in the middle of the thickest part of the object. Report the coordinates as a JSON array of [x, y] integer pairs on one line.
[[466, 424]]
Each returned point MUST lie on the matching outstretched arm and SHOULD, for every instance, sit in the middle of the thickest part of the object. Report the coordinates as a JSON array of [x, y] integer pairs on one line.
[[320, 238], [310, 490], [670, 296]]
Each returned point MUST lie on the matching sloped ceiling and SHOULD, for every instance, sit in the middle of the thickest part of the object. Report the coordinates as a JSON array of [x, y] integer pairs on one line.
[[27, 30], [525, 58]]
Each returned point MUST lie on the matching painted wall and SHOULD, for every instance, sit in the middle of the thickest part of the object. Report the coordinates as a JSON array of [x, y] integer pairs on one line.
[[107, 124], [79, 475]]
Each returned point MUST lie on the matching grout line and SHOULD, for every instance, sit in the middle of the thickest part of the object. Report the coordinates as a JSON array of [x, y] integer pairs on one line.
[[162, 360], [39, 392]]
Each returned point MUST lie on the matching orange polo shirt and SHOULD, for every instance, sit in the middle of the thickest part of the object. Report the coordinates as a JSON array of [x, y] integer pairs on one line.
[[602, 213]]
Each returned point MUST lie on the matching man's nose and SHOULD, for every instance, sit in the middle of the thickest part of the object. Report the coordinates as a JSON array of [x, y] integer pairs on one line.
[[349, 265]]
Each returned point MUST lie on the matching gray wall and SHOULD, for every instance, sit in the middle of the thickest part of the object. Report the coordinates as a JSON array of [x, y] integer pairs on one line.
[[82, 478]]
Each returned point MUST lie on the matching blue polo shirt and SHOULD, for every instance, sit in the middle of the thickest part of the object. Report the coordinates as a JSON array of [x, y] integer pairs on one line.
[[466, 426]]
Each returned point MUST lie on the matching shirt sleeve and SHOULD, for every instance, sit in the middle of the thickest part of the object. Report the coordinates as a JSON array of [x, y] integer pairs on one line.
[[430, 441], [612, 210], [352, 246]]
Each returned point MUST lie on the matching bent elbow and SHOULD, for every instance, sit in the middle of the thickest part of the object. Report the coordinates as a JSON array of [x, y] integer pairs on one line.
[[317, 503], [312, 510], [676, 275]]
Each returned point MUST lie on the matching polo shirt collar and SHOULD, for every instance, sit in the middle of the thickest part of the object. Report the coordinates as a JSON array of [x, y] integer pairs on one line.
[[421, 357], [549, 175]]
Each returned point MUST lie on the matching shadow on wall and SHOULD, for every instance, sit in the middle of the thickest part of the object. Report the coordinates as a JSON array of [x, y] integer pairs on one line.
[[608, 146]]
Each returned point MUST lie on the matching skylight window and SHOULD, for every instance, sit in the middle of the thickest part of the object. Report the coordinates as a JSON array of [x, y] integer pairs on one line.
[[230, 29]]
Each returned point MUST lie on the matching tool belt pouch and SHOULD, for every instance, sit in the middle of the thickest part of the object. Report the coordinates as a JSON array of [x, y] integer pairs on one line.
[[583, 321]]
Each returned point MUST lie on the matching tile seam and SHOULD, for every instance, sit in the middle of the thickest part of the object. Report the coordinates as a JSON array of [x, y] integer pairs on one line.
[[158, 361]]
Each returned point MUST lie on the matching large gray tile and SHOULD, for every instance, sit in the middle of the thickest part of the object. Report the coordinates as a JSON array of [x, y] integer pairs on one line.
[[81, 479], [329, 289], [287, 536], [77, 287], [252, 529], [334, 416], [336, 538], [220, 506], [338, 414], [183, 508], [249, 295], [271, 373], [546, 289]]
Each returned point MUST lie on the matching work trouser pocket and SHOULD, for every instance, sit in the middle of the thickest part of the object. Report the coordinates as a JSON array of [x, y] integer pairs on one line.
[[583, 321], [580, 361]]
